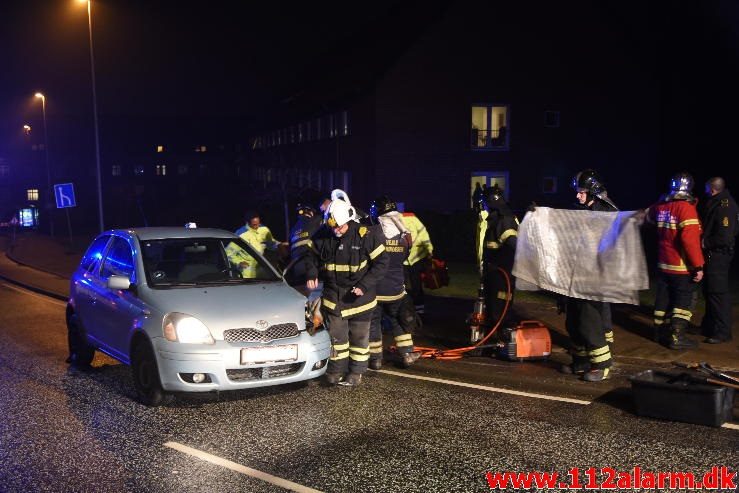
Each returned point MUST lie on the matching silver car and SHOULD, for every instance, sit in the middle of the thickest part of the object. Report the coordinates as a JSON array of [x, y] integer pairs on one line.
[[173, 303]]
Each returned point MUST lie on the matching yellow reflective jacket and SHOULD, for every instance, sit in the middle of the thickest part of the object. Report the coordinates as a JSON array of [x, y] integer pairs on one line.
[[260, 239], [421, 241]]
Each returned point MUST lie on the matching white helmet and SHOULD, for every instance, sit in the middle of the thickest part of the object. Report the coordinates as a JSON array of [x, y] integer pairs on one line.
[[338, 213]]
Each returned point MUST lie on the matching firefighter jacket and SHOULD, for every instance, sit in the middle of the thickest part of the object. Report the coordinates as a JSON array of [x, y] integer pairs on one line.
[[391, 286], [421, 247], [719, 216], [301, 234], [678, 236], [497, 232], [356, 259], [259, 239]]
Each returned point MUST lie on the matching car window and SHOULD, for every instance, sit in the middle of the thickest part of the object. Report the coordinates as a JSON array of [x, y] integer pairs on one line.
[[94, 254], [119, 260], [179, 262]]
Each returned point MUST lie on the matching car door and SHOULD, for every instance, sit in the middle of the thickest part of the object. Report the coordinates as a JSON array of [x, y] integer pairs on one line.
[[87, 286], [118, 309]]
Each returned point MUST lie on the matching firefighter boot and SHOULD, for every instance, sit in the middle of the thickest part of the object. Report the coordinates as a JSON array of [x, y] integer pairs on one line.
[[351, 380], [375, 364], [334, 378], [596, 375], [678, 339], [409, 359]]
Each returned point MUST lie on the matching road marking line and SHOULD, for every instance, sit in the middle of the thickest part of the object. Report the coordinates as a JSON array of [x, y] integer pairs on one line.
[[31, 293], [248, 471], [731, 426], [486, 388]]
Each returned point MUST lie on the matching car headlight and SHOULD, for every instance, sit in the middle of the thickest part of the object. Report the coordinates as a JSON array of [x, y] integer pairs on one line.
[[180, 327]]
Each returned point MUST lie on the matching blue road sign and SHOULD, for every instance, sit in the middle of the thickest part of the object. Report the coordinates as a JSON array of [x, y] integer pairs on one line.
[[64, 194]]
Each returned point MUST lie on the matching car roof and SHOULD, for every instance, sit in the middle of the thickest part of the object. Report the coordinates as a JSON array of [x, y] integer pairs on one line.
[[159, 233]]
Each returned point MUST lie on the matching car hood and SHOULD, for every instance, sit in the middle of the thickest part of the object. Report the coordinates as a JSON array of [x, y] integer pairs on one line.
[[231, 307]]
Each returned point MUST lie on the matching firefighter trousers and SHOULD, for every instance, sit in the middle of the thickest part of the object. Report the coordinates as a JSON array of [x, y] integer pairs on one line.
[[349, 342], [672, 303], [390, 312], [589, 348], [496, 292]]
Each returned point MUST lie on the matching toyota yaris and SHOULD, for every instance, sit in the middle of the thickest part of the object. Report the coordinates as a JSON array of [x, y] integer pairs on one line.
[[177, 306]]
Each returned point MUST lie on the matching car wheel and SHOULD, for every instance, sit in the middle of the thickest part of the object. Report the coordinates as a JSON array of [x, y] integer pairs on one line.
[[81, 353], [146, 375]]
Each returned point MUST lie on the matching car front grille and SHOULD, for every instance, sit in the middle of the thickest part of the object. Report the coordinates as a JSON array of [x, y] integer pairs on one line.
[[272, 333], [245, 374]]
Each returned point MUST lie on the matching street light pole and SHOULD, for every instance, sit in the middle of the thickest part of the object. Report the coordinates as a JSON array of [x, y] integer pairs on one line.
[[49, 190], [95, 118]]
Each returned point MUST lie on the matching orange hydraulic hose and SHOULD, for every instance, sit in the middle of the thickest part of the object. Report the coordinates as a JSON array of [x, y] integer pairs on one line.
[[450, 354]]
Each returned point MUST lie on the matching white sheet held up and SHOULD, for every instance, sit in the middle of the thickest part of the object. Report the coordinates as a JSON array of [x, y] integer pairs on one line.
[[581, 254]]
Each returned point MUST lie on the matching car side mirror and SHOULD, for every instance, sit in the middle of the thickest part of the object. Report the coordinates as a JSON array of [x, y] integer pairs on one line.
[[119, 282]]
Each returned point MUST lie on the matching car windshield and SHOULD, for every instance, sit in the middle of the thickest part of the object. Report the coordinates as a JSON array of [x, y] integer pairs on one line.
[[184, 262]]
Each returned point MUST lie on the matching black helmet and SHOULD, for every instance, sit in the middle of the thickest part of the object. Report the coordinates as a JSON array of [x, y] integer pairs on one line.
[[494, 196], [588, 180], [681, 187], [382, 205], [305, 210]]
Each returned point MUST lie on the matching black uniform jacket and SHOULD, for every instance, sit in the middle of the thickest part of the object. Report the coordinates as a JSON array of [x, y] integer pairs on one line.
[[356, 259], [719, 218], [500, 238], [391, 286]]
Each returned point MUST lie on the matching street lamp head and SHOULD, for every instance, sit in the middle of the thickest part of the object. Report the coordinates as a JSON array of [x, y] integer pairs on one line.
[[39, 95], [27, 128]]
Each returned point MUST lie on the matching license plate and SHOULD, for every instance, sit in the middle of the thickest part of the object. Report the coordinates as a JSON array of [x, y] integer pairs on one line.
[[269, 354]]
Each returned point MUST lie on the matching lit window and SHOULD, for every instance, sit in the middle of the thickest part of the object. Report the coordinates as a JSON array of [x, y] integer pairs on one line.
[[551, 119], [160, 148], [32, 194], [301, 132], [138, 170], [115, 170], [203, 148], [4, 170], [331, 126], [490, 127], [161, 169], [181, 169]]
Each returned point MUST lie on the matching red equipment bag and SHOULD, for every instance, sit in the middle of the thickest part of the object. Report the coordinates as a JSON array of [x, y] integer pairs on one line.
[[436, 275]]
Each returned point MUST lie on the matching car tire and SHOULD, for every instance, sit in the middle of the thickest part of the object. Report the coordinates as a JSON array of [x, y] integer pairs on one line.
[[146, 375], [81, 353]]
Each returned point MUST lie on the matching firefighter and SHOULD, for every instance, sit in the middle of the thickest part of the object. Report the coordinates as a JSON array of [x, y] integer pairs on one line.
[[392, 299], [419, 259], [719, 217], [497, 231], [258, 237], [680, 261], [588, 322], [308, 223], [350, 259]]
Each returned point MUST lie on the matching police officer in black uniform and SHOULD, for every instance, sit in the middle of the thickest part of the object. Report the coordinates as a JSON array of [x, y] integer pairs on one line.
[[588, 322], [496, 248], [719, 218]]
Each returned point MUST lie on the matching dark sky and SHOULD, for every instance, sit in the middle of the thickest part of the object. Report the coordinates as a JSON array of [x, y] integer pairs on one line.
[[167, 58]]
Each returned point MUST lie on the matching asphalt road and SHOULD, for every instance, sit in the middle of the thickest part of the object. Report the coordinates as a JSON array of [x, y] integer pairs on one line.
[[69, 430]]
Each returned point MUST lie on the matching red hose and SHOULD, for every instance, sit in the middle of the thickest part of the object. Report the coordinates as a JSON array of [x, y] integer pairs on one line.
[[451, 354]]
